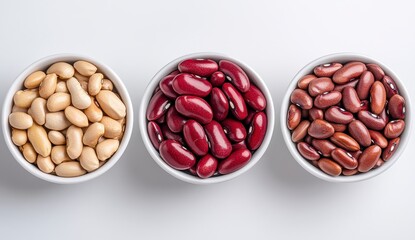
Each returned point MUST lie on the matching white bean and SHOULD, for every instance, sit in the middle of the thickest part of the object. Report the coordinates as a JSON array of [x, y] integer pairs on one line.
[[79, 97]]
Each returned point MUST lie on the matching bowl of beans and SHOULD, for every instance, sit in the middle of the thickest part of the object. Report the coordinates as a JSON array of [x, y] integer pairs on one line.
[[346, 117], [67, 118], [206, 118]]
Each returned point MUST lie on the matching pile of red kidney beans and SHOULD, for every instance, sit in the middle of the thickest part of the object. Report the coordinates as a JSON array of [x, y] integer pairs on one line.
[[207, 117], [346, 119]]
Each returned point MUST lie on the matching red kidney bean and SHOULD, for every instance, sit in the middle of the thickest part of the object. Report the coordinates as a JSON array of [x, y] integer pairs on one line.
[[219, 104], [378, 138], [352, 84], [349, 172], [364, 85], [379, 163], [307, 151], [344, 158], [315, 113], [161, 119], [308, 139], [327, 70], [158, 106], [348, 72], [364, 105], [195, 137], [166, 86], [301, 98], [394, 128], [390, 149], [234, 130], [338, 115], [192, 170], [248, 119], [384, 115], [324, 147], [351, 101], [356, 154], [238, 145], [220, 146], [320, 129], [305, 81], [330, 167], [217, 78], [187, 84], [319, 86], [345, 141], [376, 70], [371, 120], [396, 106], [338, 127], [155, 134], [300, 131], [293, 117], [235, 161], [360, 133], [236, 101], [200, 67], [369, 158], [305, 113], [206, 166], [175, 121], [194, 107], [255, 99], [168, 134], [390, 86], [237, 76], [176, 156], [327, 99], [377, 97], [257, 131]]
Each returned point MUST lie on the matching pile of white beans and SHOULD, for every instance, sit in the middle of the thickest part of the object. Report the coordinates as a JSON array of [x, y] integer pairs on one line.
[[68, 120]]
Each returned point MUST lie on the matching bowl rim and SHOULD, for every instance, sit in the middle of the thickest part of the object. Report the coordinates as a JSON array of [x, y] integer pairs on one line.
[[42, 64], [171, 66], [344, 57]]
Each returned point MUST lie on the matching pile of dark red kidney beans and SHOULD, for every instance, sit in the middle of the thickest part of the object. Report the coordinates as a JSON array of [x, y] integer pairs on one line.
[[207, 118], [346, 119]]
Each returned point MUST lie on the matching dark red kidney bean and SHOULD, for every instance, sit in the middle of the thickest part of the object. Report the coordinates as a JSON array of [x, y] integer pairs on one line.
[[394, 128], [369, 158], [237, 76], [352, 84], [255, 99], [195, 137], [338, 115], [364, 85], [316, 113], [360, 133], [348, 72], [174, 120], [307, 151], [396, 107], [168, 134], [237, 160], [236, 101], [320, 129], [344, 158], [345, 141], [158, 106], [390, 86], [192, 170], [238, 145], [166, 86], [364, 105], [293, 117], [219, 104], [371, 120], [351, 101], [330, 167], [161, 119], [390, 149], [206, 166], [176, 156], [300, 131], [384, 115], [349, 172], [324, 147], [377, 97], [356, 154], [301, 98], [217, 78], [155, 134], [327, 99], [379, 163], [200, 67], [156, 90], [376, 70], [378, 138], [175, 72], [304, 81], [327, 70], [319, 86], [257, 131], [234, 130], [194, 107], [220, 146], [308, 139], [187, 84], [247, 121], [338, 127]]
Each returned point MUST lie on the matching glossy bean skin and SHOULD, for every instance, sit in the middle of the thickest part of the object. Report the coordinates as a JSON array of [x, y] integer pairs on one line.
[[327, 99], [378, 138], [176, 156], [364, 105], [166, 87], [220, 146], [217, 79], [293, 117], [237, 76], [377, 97], [168, 134], [365, 83], [257, 131], [344, 158], [187, 84], [206, 166], [372, 121], [255, 98], [239, 145], [394, 128], [175, 120], [235, 161], [369, 158], [319, 86], [315, 113], [351, 101], [324, 147], [390, 86], [327, 70], [195, 137], [194, 107], [390, 149], [219, 104], [376, 70], [301, 98], [330, 167], [338, 115], [360, 133], [158, 106], [234, 130], [379, 163], [356, 154], [155, 134], [338, 127], [236, 102], [352, 84], [308, 139], [307, 151], [345, 141], [320, 129], [348, 72], [396, 107], [305, 81], [300, 131], [200, 67], [349, 172]]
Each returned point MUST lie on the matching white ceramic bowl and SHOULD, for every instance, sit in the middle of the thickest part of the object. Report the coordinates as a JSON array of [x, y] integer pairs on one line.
[[343, 58], [254, 77], [43, 64]]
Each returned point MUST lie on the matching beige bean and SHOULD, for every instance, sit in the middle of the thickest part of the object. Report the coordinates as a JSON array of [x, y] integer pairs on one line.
[[48, 86], [62, 69], [113, 128], [84, 85], [85, 68], [93, 112], [95, 84], [76, 117], [39, 139], [45, 164], [19, 137], [88, 159], [107, 84], [74, 142], [29, 152], [34, 79], [56, 121], [107, 148], [38, 110], [61, 87], [20, 120], [111, 104], [18, 109], [69, 169], [93, 133], [79, 97], [24, 99], [80, 77], [58, 101], [59, 154], [56, 138]]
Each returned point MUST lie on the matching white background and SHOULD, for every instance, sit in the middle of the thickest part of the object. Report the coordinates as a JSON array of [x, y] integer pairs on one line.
[[277, 198]]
